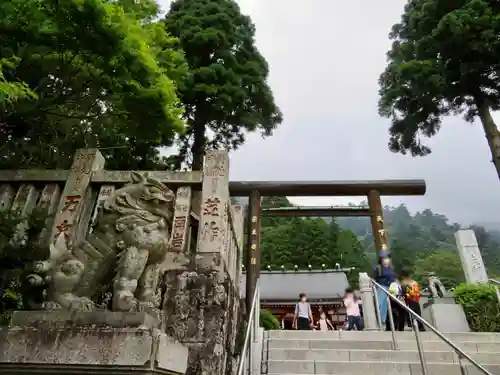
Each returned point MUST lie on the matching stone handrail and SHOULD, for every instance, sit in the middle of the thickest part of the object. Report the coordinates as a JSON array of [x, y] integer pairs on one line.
[[72, 198], [96, 220]]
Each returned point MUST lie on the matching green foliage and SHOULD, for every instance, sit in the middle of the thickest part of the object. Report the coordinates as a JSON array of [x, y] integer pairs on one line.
[[268, 321], [446, 265], [225, 93], [300, 242], [443, 61], [109, 86], [19, 246], [481, 306], [11, 92]]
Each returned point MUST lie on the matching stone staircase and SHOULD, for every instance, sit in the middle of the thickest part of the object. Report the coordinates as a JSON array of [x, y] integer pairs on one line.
[[372, 353]]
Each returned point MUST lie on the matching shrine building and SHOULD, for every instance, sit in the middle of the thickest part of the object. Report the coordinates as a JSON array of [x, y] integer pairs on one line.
[[279, 292]]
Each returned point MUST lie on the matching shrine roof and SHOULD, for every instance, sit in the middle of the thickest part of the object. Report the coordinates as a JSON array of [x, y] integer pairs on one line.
[[287, 285]]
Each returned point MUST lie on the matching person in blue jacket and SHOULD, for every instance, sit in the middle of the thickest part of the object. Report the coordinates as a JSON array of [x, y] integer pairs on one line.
[[384, 275]]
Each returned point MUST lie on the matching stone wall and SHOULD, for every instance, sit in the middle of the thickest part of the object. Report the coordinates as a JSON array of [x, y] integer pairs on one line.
[[200, 311], [201, 271]]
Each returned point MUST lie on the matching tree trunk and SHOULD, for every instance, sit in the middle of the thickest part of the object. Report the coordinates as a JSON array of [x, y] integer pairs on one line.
[[199, 142], [490, 130]]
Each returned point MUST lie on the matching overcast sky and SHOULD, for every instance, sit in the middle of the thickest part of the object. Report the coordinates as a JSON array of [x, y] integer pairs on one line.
[[325, 57]]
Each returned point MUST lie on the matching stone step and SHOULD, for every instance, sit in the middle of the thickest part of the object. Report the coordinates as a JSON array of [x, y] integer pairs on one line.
[[375, 356], [467, 346], [368, 368], [381, 336]]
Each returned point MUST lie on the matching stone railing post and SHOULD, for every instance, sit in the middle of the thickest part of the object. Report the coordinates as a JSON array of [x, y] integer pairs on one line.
[[207, 329], [75, 192], [6, 196], [368, 302], [214, 203]]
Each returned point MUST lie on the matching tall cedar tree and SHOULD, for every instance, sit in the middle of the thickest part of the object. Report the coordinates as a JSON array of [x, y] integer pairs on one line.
[[226, 93], [86, 73], [444, 60]]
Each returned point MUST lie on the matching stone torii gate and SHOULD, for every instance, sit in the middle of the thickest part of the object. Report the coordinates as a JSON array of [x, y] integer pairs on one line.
[[373, 190]]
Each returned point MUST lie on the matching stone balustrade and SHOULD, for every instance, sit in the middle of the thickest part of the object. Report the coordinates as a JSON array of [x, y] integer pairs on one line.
[[72, 198], [202, 269]]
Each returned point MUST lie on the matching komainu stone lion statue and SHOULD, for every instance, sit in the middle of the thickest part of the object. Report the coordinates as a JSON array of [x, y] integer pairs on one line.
[[127, 246], [436, 287]]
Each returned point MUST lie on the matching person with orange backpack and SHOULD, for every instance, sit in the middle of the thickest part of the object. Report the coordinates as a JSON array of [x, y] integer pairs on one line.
[[412, 293]]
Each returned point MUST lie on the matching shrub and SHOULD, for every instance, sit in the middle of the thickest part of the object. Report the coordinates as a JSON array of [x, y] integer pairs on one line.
[[268, 321], [480, 305], [19, 247]]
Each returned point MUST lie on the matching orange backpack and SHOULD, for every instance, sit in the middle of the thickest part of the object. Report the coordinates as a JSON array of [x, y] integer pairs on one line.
[[413, 291]]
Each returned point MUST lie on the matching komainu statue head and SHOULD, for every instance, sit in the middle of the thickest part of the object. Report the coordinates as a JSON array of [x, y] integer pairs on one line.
[[139, 214], [145, 197]]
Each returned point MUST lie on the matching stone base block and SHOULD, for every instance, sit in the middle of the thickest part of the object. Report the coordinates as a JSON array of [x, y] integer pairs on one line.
[[449, 300], [446, 317], [62, 318], [64, 345]]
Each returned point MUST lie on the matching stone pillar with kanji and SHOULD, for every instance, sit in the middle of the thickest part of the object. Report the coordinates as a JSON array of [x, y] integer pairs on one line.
[[199, 300], [75, 193], [214, 204]]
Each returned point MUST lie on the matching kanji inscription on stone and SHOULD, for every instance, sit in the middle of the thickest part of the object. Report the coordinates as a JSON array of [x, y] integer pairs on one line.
[[211, 206], [178, 229], [71, 203], [210, 231]]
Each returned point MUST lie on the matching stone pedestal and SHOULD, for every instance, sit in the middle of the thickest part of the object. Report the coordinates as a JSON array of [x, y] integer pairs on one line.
[[445, 315], [77, 343]]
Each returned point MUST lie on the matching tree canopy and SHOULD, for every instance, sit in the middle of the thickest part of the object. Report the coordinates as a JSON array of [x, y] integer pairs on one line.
[[86, 73], [225, 93], [443, 61]]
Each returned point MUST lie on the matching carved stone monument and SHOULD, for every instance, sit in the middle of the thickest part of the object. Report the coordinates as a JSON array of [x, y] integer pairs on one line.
[[472, 261], [436, 287], [125, 250], [116, 267], [139, 278]]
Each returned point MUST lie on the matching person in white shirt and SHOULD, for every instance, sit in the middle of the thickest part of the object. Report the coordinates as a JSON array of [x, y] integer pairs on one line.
[[303, 319]]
